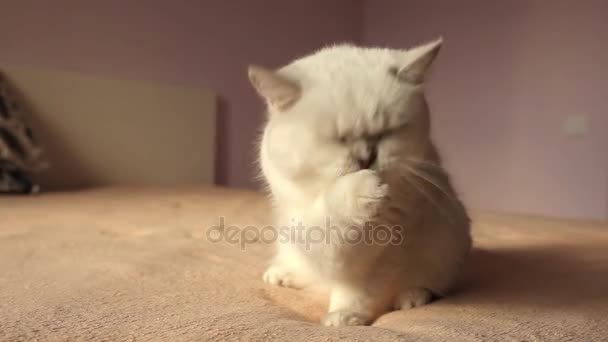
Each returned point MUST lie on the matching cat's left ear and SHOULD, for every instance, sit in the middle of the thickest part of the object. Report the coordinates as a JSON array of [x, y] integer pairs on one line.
[[420, 60], [279, 91]]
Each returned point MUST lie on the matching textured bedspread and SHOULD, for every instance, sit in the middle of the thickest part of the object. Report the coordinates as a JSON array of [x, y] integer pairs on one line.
[[135, 264]]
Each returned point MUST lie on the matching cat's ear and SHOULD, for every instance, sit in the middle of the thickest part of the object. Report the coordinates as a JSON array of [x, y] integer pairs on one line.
[[279, 91], [420, 60]]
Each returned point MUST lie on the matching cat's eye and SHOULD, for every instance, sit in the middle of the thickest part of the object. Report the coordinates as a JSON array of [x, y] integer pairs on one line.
[[342, 140], [378, 137]]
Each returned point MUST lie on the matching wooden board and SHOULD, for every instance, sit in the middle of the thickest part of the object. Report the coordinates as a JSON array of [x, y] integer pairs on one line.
[[103, 131]]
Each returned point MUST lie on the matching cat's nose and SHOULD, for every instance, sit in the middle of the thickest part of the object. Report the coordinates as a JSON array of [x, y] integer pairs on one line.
[[366, 163]]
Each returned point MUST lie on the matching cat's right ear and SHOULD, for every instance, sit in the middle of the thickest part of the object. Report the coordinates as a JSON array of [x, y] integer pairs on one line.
[[279, 91], [421, 59]]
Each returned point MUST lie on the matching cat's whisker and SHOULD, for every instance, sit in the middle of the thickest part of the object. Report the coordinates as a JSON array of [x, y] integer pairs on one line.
[[425, 163], [428, 178], [421, 190]]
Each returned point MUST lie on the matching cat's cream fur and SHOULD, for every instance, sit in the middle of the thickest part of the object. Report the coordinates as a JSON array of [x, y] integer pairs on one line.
[[348, 139]]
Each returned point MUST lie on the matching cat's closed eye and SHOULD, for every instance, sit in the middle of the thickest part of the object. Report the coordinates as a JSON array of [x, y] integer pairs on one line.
[[379, 136]]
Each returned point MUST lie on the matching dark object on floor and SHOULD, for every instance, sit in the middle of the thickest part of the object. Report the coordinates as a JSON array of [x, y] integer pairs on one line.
[[20, 154], [13, 180]]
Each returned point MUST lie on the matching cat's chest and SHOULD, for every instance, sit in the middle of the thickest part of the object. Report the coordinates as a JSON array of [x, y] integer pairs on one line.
[[328, 248], [330, 259]]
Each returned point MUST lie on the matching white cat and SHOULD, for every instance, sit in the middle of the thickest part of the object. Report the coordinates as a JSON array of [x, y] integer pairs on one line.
[[348, 140]]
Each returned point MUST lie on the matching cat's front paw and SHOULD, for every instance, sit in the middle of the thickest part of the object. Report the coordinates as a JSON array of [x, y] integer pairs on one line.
[[356, 197], [345, 318], [369, 192], [278, 276], [411, 298]]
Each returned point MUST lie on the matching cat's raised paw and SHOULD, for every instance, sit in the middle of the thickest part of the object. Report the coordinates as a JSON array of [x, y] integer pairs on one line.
[[278, 276], [411, 298], [369, 192], [345, 318]]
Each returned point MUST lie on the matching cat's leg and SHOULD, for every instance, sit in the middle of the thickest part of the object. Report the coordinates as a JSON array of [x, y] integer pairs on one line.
[[288, 268], [355, 197], [356, 305], [412, 297]]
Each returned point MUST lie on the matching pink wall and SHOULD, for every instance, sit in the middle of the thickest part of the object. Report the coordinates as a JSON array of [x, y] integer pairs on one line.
[[203, 43], [509, 73]]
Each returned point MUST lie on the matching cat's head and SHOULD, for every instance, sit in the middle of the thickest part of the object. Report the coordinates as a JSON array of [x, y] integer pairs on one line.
[[342, 109]]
